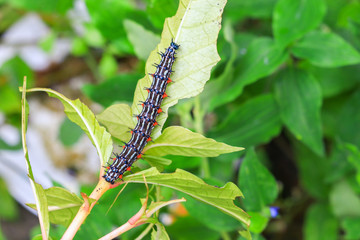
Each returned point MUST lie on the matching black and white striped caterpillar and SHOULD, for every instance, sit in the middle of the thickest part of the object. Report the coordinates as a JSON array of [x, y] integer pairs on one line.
[[141, 134]]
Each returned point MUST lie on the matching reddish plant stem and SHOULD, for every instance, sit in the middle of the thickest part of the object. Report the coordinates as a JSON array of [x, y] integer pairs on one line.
[[85, 209]]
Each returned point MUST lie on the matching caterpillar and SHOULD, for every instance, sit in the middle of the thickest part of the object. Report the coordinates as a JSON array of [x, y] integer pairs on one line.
[[141, 134]]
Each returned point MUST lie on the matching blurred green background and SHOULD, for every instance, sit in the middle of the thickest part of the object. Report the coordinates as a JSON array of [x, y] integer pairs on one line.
[[286, 89]]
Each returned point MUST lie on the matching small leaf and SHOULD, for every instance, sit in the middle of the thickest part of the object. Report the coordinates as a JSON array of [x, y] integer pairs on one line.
[[325, 50], [258, 222], [221, 198], [320, 223], [160, 233], [62, 205], [181, 141], [117, 119], [157, 162], [80, 114], [299, 97], [136, 35], [108, 66], [344, 201], [259, 186], [293, 18], [262, 58]]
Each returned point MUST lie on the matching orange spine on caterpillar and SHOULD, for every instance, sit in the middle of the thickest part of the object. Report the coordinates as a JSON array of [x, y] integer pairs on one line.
[[132, 150]]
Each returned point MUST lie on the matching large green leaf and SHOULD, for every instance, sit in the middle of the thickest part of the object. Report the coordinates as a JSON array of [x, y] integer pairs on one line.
[[259, 186], [221, 198], [62, 205], [181, 141], [326, 49], [293, 18], [195, 27], [254, 122], [80, 114], [262, 58], [299, 97], [320, 223]]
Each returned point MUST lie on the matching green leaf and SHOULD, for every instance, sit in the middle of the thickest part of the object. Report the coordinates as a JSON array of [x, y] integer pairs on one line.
[[80, 114], [351, 227], [353, 156], [325, 50], [221, 198], [334, 81], [158, 10], [69, 133], [262, 58], [160, 233], [210, 217], [250, 8], [108, 66], [136, 35], [299, 97], [240, 127], [349, 14], [313, 171], [8, 205], [108, 16], [9, 100], [349, 119], [115, 89], [38, 191], [63, 205], [258, 222], [293, 18], [181, 141], [157, 162], [188, 228], [199, 21], [320, 223], [117, 119], [259, 186], [53, 6], [245, 234], [344, 201]]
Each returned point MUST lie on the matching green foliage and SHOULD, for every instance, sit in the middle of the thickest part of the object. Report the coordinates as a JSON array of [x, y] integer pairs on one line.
[[286, 89]]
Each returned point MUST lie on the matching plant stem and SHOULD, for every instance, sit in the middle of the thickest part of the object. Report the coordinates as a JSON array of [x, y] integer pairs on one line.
[[199, 127], [85, 209]]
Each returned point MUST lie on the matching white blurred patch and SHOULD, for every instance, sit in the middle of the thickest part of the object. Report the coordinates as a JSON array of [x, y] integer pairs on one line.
[[6, 53], [28, 30], [23, 38]]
